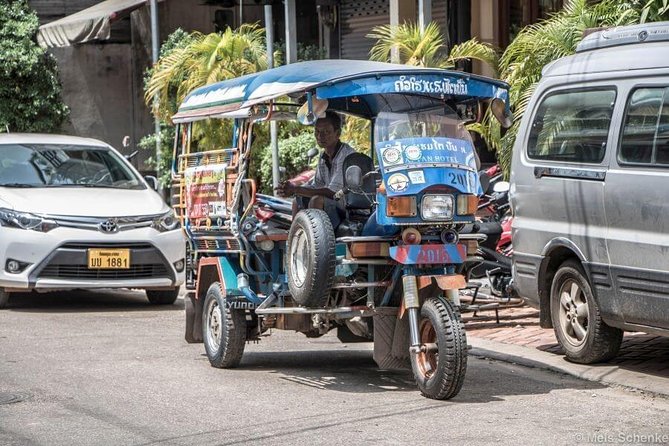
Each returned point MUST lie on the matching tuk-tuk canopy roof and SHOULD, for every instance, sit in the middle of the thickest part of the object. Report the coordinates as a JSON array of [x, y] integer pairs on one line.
[[362, 88]]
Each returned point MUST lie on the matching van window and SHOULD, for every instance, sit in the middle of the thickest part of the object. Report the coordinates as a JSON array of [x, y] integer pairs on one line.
[[572, 126], [645, 138]]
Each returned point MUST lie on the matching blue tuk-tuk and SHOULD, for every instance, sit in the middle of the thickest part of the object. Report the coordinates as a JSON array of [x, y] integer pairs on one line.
[[388, 271]]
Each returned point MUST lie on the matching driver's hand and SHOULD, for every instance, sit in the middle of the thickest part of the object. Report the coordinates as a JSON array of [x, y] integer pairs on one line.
[[285, 189]]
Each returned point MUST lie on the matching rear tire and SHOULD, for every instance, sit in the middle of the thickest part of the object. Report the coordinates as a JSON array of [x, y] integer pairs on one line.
[[310, 264], [440, 373], [577, 322], [223, 330], [162, 297], [4, 298]]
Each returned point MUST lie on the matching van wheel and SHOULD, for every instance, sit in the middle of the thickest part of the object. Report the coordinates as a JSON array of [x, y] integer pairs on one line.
[[310, 262], [577, 322], [223, 330], [162, 297], [4, 298]]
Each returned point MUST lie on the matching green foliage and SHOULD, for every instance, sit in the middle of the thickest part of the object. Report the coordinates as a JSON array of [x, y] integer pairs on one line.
[[292, 155], [166, 145], [426, 48], [29, 87], [304, 52], [654, 11]]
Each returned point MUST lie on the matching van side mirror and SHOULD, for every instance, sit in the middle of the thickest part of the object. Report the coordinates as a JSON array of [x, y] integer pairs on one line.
[[354, 177], [153, 182]]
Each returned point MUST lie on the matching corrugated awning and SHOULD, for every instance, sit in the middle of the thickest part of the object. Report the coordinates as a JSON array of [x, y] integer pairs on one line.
[[92, 23]]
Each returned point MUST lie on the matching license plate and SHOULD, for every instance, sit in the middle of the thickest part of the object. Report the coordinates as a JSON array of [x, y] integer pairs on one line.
[[108, 258], [429, 254]]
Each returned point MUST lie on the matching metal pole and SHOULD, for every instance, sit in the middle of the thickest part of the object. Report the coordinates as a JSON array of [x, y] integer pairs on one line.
[[241, 12], [274, 143], [154, 58], [424, 13], [291, 32]]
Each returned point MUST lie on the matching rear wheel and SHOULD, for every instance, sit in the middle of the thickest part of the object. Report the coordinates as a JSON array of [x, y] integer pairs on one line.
[[311, 258], [4, 298], [577, 322], [440, 367], [162, 297], [223, 330]]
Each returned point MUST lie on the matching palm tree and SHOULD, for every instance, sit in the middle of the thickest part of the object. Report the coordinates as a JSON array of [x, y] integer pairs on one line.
[[205, 59], [426, 48]]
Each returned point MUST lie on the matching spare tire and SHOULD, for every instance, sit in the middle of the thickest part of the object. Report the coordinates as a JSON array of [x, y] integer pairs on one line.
[[310, 263]]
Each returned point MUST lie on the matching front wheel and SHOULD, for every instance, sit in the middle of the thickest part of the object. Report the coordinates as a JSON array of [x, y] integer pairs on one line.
[[576, 318], [440, 367], [162, 297], [223, 330], [4, 298]]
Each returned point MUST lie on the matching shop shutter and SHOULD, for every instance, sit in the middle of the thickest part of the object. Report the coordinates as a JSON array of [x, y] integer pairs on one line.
[[357, 18]]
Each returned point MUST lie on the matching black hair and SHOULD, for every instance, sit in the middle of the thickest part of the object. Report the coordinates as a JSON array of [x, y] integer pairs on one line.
[[334, 119]]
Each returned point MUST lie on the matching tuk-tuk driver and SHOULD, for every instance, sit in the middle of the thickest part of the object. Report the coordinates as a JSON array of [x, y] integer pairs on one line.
[[329, 178]]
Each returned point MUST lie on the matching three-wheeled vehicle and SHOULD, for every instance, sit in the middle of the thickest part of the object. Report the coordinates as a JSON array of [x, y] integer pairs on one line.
[[388, 272]]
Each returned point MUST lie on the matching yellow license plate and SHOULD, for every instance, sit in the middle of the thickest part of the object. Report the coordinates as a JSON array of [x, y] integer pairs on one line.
[[108, 258]]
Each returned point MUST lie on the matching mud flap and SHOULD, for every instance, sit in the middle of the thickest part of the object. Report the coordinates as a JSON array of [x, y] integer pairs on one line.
[[391, 340], [193, 318]]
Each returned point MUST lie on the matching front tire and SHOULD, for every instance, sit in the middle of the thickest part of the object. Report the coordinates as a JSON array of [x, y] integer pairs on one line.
[[440, 369], [162, 297], [311, 261], [576, 318], [223, 330]]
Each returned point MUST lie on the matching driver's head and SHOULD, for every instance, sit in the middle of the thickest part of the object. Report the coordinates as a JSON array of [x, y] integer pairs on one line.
[[328, 130]]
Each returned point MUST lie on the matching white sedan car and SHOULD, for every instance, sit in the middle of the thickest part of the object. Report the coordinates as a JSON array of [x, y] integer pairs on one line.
[[75, 214]]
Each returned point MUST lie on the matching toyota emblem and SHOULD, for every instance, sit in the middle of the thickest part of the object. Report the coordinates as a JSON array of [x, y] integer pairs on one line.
[[108, 226]]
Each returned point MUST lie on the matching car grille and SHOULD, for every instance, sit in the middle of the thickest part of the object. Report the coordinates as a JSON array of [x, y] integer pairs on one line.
[[70, 261], [82, 272]]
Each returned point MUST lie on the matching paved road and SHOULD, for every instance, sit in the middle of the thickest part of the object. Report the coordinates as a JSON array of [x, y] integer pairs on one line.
[[110, 369]]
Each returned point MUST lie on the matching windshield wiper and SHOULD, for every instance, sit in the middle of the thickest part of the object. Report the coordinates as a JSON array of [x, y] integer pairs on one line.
[[17, 185], [81, 185]]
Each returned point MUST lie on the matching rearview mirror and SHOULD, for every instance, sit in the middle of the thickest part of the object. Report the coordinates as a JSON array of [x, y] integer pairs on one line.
[[502, 186], [153, 181], [312, 153], [499, 111], [354, 177]]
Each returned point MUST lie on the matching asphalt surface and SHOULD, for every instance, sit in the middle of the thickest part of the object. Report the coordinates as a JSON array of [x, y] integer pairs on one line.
[[108, 368]]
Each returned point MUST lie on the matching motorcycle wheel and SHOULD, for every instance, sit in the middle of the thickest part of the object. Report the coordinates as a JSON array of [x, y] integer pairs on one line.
[[440, 369]]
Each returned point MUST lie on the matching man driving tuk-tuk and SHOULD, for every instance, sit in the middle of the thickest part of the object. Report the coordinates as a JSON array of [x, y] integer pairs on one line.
[[388, 271]]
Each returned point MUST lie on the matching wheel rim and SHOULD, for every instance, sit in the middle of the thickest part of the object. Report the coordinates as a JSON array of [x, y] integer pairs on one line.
[[214, 324], [299, 253], [428, 358], [573, 313]]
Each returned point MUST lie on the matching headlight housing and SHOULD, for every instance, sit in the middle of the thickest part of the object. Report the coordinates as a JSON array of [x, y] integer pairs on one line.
[[25, 220], [437, 207], [166, 222]]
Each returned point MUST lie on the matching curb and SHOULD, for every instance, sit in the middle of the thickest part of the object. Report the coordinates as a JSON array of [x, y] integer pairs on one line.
[[606, 374]]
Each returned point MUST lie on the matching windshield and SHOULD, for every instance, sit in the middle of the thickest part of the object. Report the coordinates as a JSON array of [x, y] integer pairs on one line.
[[64, 165], [437, 137]]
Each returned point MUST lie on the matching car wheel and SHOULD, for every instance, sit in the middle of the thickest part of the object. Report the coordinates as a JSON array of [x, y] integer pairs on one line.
[[311, 258], [440, 369], [576, 318], [223, 330], [4, 298], [162, 297]]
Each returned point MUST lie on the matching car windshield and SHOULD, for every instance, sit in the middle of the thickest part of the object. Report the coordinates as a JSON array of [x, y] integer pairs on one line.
[[64, 165]]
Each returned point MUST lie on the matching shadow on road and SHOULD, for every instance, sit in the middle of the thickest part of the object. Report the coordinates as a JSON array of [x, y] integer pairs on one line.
[[80, 301]]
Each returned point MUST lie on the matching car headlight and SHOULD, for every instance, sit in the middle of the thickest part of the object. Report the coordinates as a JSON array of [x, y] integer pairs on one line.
[[437, 207], [25, 220], [166, 222]]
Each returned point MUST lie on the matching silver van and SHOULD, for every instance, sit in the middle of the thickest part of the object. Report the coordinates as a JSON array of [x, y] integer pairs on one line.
[[590, 192]]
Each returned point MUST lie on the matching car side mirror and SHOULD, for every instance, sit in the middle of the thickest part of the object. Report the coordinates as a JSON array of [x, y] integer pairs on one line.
[[500, 112], [153, 182], [502, 186], [354, 177]]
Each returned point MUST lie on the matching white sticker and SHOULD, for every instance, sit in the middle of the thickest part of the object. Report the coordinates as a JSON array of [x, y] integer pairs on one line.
[[417, 177], [413, 153], [391, 156], [398, 182]]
